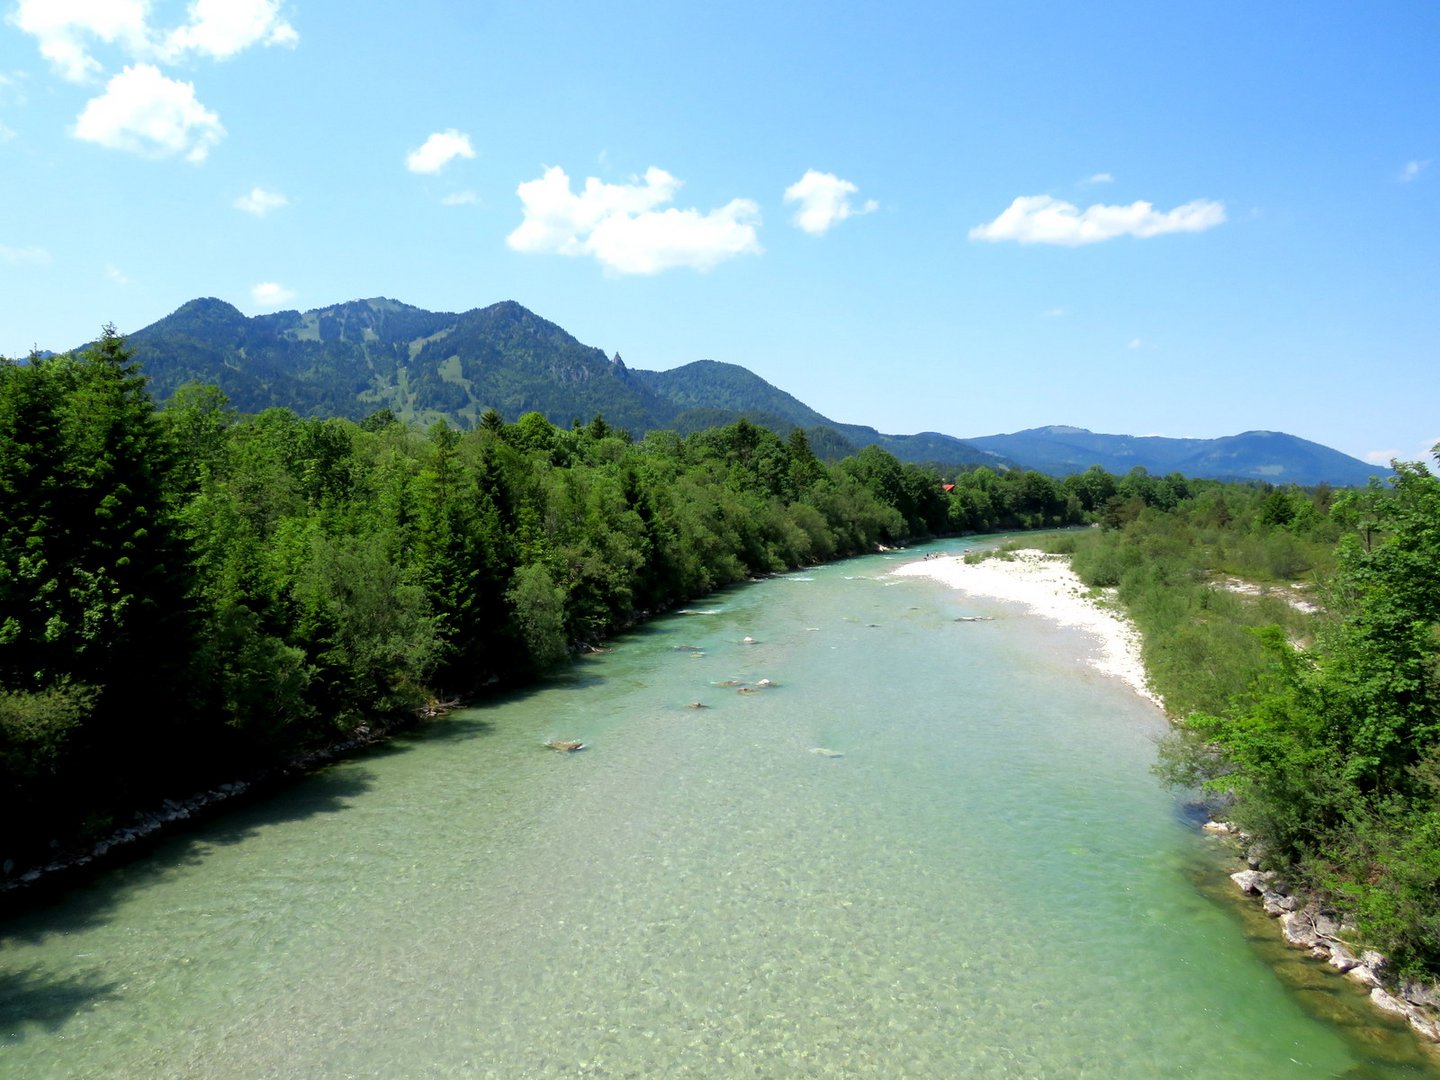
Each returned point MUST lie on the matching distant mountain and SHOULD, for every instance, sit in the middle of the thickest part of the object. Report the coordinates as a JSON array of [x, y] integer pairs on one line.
[[708, 389], [1253, 455], [354, 358]]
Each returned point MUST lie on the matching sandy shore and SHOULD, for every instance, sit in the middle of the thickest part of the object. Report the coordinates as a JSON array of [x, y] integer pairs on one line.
[[1046, 586]]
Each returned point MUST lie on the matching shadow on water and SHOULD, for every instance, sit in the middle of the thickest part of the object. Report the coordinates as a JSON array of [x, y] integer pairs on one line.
[[31, 996], [1384, 1045], [77, 904], [31, 999]]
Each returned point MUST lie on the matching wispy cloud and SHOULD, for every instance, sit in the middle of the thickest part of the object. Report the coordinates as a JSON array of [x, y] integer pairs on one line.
[[65, 32], [824, 200], [115, 274], [1042, 219], [12, 88], [1100, 178], [1057, 313], [24, 256], [439, 150], [146, 113], [1424, 454], [1411, 170], [271, 294], [68, 31], [260, 202], [460, 198], [1135, 343], [621, 227]]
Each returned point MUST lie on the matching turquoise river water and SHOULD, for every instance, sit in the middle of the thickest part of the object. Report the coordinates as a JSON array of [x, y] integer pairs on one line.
[[988, 883]]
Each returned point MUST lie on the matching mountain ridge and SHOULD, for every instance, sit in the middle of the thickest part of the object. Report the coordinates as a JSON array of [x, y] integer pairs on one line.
[[355, 357]]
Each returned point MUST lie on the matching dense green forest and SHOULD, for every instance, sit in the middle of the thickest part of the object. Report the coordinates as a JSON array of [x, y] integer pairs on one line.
[[1317, 732], [187, 594]]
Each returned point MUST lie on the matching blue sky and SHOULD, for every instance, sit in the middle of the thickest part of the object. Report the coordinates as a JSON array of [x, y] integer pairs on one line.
[[969, 218]]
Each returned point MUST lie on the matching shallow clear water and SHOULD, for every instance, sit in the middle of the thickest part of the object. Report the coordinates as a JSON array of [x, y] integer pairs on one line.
[[987, 883]]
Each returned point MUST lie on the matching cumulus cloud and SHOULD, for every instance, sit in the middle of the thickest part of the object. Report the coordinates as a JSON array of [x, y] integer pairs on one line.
[[824, 199], [260, 202], [1411, 170], [65, 30], [26, 256], [270, 294], [438, 151], [622, 227], [221, 28], [1042, 219], [145, 113], [68, 30]]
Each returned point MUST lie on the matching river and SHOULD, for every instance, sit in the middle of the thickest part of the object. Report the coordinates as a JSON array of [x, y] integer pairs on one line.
[[979, 878]]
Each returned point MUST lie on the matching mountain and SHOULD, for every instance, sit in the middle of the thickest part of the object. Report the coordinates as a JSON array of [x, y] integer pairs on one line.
[[1271, 456], [351, 359], [708, 389], [354, 358]]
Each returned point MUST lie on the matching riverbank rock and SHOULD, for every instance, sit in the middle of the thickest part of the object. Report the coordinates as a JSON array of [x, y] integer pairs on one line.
[[1309, 926], [1252, 881]]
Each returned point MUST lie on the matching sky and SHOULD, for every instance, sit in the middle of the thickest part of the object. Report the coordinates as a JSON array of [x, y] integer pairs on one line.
[[972, 218]]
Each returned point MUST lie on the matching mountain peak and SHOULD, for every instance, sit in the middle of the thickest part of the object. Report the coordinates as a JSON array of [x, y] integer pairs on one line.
[[209, 308]]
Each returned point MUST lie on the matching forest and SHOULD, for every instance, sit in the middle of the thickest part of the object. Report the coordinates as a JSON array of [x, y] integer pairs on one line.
[[188, 594]]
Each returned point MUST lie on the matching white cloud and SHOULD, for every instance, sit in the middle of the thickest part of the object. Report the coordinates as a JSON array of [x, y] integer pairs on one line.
[[438, 151], [460, 198], [270, 294], [67, 30], [1425, 454], [1041, 219], [12, 88], [1100, 178], [621, 227], [260, 202], [1411, 170], [146, 113], [1057, 313], [1135, 343], [115, 274], [26, 256], [824, 200], [221, 28], [64, 29], [6, 133]]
